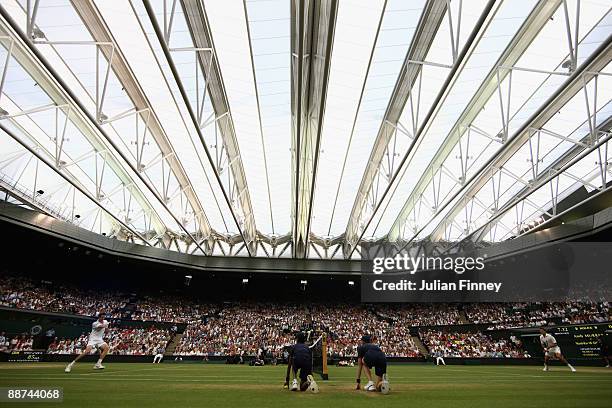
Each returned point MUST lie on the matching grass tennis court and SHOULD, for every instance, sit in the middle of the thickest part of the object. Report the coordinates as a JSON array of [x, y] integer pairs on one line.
[[216, 385]]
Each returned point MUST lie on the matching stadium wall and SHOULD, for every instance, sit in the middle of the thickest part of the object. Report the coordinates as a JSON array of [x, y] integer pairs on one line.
[[41, 356], [575, 226], [16, 321]]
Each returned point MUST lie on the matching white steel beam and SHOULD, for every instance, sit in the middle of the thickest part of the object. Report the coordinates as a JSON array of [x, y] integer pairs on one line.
[[312, 34], [433, 14], [197, 22], [530, 28], [26, 53], [75, 185], [99, 31], [596, 62]]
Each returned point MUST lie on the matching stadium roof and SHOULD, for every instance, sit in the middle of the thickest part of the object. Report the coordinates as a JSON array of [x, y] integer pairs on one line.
[[304, 128]]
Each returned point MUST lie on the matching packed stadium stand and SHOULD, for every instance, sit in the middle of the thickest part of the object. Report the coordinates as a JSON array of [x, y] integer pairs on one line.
[[22, 342], [121, 341], [223, 329], [470, 344]]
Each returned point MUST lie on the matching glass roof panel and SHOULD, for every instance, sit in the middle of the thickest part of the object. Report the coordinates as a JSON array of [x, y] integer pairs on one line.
[[354, 39], [532, 89], [398, 24], [571, 116], [58, 11], [38, 128], [499, 33], [143, 52], [229, 32], [269, 25]]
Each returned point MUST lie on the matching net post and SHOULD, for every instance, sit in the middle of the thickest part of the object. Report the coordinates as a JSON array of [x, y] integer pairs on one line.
[[324, 372]]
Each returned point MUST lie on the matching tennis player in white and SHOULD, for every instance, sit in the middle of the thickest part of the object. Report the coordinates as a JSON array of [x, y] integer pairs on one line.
[[551, 349], [96, 339]]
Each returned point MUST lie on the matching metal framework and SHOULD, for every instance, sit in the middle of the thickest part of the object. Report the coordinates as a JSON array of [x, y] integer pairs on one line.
[[530, 131], [95, 24], [90, 123], [238, 198], [547, 179], [369, 199], [15, 191], [83, 191], [71, 171], [491, 84], [561, 167], [66, 111]]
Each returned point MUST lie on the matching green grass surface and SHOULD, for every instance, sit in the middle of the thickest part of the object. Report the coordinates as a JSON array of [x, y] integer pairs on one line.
[[215, 385]]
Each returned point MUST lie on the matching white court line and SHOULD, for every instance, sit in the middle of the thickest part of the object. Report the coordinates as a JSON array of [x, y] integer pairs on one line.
[[118, 375], [101, 376], [448, 375]]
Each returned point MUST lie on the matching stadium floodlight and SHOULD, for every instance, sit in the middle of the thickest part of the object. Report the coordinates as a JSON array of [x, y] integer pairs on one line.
[[351, 283], [37, 33], [304, 282], [188, 279], [569, 65], [245, 281]]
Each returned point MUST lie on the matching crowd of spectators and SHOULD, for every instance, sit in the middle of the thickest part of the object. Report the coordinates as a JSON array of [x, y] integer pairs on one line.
[[509, 315], [22, 342], [122, 341], [585, 312], [170, 309], [345, 324], [68, 346], [246, 329], [421, 314], [396, 341], [470, 344], [496, 315], [23, 293]]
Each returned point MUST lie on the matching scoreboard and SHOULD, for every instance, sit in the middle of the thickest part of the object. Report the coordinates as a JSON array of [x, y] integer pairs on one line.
[[581, 341], [576, 341]]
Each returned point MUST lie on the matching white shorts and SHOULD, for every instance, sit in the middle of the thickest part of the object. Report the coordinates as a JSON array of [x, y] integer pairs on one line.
[[95, 343], [553, 351]]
